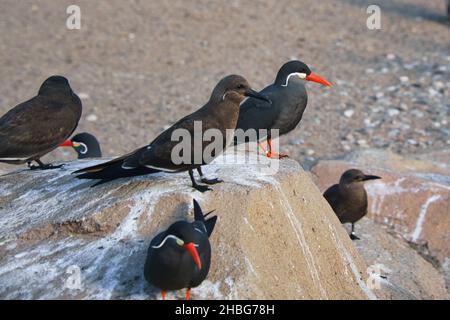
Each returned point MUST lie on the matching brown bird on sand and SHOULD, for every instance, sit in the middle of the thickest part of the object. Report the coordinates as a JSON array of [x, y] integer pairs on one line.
[[349, 198], [37, 126], [220, 113]]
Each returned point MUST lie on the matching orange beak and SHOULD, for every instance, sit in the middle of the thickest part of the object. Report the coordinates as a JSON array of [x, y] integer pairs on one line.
[[316, 78], [67, 143], [190, 247]]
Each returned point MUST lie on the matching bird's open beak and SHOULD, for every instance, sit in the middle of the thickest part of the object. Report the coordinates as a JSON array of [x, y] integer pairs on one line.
[[190, 247], [256, 95], [69, 143], [371, 178], [316, 78]]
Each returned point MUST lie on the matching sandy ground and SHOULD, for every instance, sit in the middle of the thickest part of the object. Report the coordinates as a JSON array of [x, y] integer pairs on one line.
[[141, 65]]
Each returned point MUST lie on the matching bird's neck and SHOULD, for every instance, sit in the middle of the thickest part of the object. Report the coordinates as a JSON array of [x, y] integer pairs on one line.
[[355, 189]]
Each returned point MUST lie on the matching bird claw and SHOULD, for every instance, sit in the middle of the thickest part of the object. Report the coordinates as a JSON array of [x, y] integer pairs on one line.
[[354, 236], [45, 167], [201, 188], [274, 155], [211, 181]]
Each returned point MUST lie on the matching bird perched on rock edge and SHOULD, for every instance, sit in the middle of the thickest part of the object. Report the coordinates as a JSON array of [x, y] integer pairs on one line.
[[348, 199], [37, 126], [180, 257], [288, 99], [220, 113]]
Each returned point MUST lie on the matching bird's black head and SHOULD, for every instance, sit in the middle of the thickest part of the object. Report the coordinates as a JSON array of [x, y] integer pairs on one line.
[[234, 88], [86, 145], [355, 176], [300, 70], [184, 235], [55, 84]]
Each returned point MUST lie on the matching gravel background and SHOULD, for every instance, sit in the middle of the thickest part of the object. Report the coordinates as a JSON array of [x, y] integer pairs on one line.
[[141, 65]]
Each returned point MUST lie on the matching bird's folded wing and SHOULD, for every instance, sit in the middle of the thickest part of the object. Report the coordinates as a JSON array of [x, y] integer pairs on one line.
[[35, 123]]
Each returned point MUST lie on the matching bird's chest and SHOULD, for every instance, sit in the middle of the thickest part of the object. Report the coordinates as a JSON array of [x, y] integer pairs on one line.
[[291, 105]]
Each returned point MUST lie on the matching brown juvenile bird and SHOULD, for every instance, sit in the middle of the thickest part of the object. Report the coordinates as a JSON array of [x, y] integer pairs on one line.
[[349, 198], [37, 126], [219, 113]]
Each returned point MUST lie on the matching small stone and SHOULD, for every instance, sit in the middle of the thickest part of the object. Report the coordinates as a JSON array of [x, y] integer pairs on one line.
[[439, 85], [412, 142], [310, 152], [393, 112], [403, 106], [417, 113], [349, 113], [131, 36], [404, 79], [362, 142], [92, 117], [379, 95], [432, 92], [392, 89], [370, 71], [83, 96], [390, 56], [296, 142]]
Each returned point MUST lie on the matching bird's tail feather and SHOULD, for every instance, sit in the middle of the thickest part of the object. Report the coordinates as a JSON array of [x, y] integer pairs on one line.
[[111, 170], [199, 216]]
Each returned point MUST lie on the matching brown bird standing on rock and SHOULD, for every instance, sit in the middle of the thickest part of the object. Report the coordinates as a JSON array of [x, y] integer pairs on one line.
[[35, 127], [349, 198], [220, 112]]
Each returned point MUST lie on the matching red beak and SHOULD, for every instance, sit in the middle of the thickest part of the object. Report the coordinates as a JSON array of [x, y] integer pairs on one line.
[[193, 251], [315, 78], [67, 143]]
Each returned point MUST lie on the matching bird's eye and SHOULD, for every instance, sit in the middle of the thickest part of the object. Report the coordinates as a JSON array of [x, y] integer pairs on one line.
[[240, 86]]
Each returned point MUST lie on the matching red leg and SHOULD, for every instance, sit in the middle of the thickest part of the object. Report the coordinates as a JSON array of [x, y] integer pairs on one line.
[[262, 147], [163, 295], [188, 294], [274, 155]]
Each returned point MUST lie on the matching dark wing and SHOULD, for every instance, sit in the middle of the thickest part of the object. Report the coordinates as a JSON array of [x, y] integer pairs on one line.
[[199, 217], [332, 196], [209, 224], [257, 114], [36, 126], [107, 164], [198, 213], [158, 154]]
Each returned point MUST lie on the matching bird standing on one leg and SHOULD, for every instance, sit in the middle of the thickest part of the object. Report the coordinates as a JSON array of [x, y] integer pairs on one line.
[[180, 257], [348, 199], [35, 127]]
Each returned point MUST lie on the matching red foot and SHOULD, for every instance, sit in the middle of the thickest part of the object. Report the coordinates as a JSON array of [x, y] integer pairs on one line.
[[274, 155], [163, 295], [188, 294]]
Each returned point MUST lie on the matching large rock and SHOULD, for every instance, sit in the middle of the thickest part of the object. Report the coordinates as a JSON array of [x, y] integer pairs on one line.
[[276, 237], [399, 271], [413, 203]]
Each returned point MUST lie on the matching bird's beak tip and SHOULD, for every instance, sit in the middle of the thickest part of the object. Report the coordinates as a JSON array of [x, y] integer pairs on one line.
[[316, 78], [190, 247], [371, 177]]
